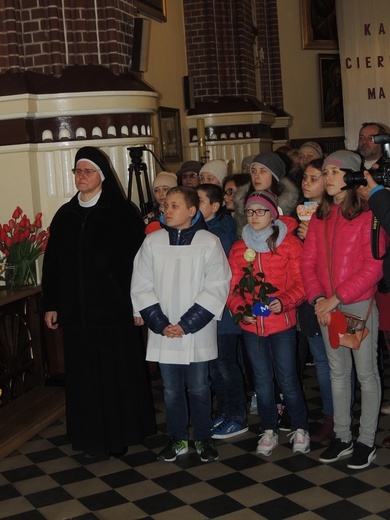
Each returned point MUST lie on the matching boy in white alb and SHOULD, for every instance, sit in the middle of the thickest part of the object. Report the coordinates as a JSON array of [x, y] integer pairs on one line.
[[180, 292]]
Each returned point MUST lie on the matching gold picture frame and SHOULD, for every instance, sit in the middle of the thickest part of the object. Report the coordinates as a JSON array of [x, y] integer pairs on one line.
[[318, 25], [156, 9], [170, 134], [332, 113]]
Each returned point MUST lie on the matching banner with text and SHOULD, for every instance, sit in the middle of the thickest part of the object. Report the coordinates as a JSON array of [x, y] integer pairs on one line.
[[363, 31]]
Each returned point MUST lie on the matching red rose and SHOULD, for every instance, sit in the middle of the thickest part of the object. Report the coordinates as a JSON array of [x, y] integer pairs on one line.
[[18, 211]]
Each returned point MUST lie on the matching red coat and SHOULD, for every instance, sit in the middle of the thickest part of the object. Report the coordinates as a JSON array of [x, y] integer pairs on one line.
[[282, 269], [355, 273]]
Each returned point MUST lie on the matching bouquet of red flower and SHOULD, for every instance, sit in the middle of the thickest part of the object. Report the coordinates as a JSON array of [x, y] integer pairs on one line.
[[21, 244], [253, 284]]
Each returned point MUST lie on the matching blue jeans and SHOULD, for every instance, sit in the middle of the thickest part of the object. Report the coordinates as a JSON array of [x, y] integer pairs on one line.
[[228, 380], [318, 351], [177, 379], [275, 355]]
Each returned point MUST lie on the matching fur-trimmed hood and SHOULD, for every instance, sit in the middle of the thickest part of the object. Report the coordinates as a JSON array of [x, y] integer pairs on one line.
[[287, 201]]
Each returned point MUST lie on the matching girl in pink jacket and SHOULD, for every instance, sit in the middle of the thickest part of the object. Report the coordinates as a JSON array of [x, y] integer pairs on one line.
[[268, 246], [339, 271]]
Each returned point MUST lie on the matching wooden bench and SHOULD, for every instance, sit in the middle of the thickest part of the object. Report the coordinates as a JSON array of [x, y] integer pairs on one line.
[[29, 414]]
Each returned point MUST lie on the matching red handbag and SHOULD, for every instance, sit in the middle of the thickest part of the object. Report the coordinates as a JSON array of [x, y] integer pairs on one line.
[[345, 329]]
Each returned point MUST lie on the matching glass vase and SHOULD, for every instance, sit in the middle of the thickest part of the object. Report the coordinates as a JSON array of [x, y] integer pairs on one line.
[[20, 275]]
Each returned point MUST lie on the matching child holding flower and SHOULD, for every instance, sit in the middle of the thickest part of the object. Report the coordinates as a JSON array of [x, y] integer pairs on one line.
[[269, 255]]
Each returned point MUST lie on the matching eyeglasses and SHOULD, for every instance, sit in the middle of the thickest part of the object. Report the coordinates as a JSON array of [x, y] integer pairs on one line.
[[258, 212], [228, 192], [79, 171], [190, 175]]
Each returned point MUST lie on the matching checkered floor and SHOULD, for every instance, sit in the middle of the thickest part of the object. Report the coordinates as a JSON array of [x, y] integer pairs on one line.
[[45, 479]]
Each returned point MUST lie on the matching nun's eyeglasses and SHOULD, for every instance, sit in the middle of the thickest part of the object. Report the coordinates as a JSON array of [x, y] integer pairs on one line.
[[258, 212], [79, 171]]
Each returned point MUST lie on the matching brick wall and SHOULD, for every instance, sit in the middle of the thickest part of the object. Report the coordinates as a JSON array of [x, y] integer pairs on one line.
[[219, 48], [220, 39], [268, 41], [44, 37]]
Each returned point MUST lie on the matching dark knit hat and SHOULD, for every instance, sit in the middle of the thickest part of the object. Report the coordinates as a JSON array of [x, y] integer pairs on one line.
[[190, 166], [265, 198], [344, 159], [273, 162], [247, 161]]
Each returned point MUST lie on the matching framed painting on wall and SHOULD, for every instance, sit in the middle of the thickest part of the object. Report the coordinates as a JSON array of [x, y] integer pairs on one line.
[[332, 113], [170, 134], [318, 24], [155, 9]]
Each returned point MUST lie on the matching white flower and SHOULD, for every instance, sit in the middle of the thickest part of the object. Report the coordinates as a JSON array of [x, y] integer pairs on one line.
[[249, 255]]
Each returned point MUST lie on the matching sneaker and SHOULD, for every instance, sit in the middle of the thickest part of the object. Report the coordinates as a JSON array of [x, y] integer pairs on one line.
[[253, 406], [267, 442], [206, 450], [228, 428], [174, 448], [362, 456], [336, 450], [301, 441], [284, 421], [219, 420]]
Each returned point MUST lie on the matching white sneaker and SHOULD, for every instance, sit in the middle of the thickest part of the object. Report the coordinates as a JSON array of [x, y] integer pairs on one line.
[[301, 441], [267, 442]]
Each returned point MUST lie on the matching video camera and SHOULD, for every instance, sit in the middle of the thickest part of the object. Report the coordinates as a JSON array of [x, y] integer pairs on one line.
[[380, 175]]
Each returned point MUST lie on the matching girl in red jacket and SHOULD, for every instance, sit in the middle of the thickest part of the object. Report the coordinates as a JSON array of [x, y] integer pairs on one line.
[[269, 246], [339, 271]]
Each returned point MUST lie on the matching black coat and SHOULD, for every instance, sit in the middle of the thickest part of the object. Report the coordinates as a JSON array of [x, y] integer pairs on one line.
[[86, 278], [379, 203], [88, 263]]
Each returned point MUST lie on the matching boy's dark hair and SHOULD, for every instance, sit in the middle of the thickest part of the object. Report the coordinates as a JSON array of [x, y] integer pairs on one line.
[[190, 195], [213, 192], [239, 179]]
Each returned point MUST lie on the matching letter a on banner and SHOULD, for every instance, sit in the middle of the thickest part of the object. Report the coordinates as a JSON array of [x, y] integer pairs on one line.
[[363, 32]]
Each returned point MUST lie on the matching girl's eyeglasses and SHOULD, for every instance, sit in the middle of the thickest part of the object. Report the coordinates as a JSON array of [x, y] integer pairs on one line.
[[258, 212], [191, 175], [228, 192]]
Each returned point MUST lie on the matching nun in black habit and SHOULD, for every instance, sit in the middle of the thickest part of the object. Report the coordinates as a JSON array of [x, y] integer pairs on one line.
[[86, 291]]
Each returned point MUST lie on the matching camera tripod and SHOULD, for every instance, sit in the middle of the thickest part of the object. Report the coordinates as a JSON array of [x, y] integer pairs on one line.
[[138, 169]]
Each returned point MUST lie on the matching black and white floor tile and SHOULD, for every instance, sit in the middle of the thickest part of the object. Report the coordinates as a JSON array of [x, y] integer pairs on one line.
[[45, 479]]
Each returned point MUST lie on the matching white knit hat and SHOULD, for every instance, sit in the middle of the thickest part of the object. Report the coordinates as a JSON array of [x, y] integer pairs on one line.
[[217, 167], [165, 179]]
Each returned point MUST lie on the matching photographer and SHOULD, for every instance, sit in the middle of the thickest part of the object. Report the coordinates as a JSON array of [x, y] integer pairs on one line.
[[371, 151], [379, 202]]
